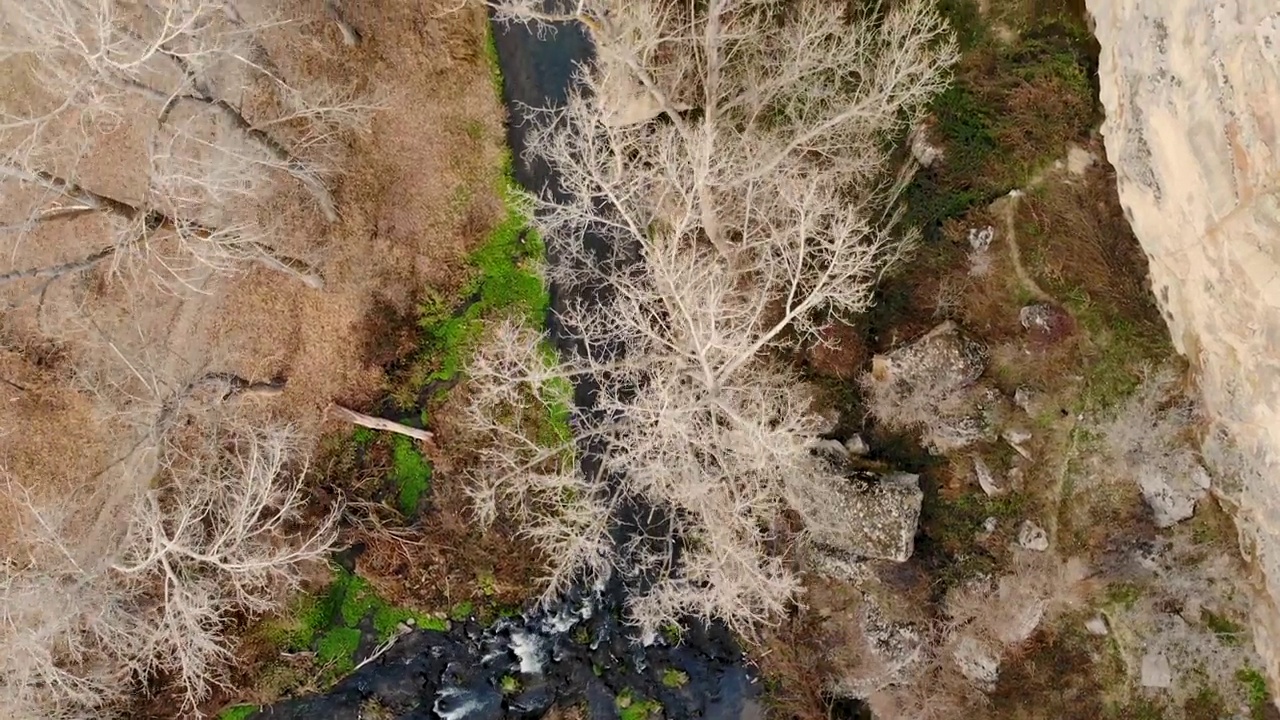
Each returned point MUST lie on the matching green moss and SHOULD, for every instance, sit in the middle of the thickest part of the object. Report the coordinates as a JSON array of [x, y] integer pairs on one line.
[[337, 648], [295, 630], [387, 620], [509, 685], [491, 57], [672, 633], [503, 277], [1121, 349], [363, 437], [356, 598], [633, 707], [410, 472], [957, 520], [504, 280], [1255, 685], [462, 611], [673, 678], [239, 712], [486, 581], [1230, 633]]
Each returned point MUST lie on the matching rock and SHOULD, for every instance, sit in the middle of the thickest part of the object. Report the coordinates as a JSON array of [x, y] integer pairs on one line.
[[986, 480], [1171, 500], [922, 150], [893, 648], [478, 702], [980, 238], [945, 356], [978, 662], [841, 566], [1024, 618], [1191, 90], [1192, 610], [1017, 439], [931, 376], [1079, 160], [831, 449], [1015, 476], [1156, 672], [1096, 625], [1046, 323], [955, 434], [883, 513], [1023, 398], [856, 446], [1201, 479], [1033, 537]]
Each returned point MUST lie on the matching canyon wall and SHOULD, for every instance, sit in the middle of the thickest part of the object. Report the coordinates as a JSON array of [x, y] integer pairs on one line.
[[1191, 90]]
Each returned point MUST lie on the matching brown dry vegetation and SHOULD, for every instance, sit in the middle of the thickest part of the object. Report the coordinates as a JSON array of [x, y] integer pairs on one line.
[[415, 194], [402, 228]]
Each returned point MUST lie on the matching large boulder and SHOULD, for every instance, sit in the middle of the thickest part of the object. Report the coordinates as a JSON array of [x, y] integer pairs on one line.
[[929, 384], [882, 513], [891, 651]]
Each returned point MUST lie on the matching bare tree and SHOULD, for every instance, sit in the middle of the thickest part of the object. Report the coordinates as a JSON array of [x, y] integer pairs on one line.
[[523, 468], [219, 535], [758, 197], [172, 70]]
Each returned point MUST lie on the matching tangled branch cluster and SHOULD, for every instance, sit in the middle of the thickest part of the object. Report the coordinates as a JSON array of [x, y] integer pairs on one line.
[[727, 186], [83, 617]]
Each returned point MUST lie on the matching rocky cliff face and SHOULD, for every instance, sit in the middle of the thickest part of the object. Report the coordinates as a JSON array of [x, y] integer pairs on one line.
[[1192, 96]]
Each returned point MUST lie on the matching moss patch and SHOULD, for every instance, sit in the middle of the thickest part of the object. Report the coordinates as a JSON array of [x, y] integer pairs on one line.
[[1229, 632], [410, 472], [634, 707], [504, 279], [1259, 697], [239, 712], [334, 622], [673, 678]]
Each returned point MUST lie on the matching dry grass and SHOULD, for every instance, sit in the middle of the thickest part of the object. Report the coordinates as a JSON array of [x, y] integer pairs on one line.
[[415, 197]]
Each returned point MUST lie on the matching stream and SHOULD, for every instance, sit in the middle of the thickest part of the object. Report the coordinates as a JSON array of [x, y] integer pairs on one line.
[[579, 651]]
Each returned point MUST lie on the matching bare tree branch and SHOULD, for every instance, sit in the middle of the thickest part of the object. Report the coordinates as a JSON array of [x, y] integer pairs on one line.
[[753, 182], [377, 423]]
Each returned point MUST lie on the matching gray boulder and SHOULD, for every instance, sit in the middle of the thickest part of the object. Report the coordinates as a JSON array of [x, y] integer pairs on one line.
[[929, 383], [883, 512], [1172, 497]]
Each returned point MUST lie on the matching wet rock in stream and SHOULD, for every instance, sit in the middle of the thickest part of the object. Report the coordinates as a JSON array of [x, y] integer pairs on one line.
[[577, 653]]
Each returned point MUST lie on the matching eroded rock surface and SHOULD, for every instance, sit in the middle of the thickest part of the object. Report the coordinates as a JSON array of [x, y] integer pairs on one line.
[[1191, 90]]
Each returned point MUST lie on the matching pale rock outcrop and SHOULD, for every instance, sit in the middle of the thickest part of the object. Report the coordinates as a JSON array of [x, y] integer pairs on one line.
[[1191, 90]]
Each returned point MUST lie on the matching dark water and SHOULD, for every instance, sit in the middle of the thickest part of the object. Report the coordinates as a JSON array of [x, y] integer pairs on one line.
[[578, 651]]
